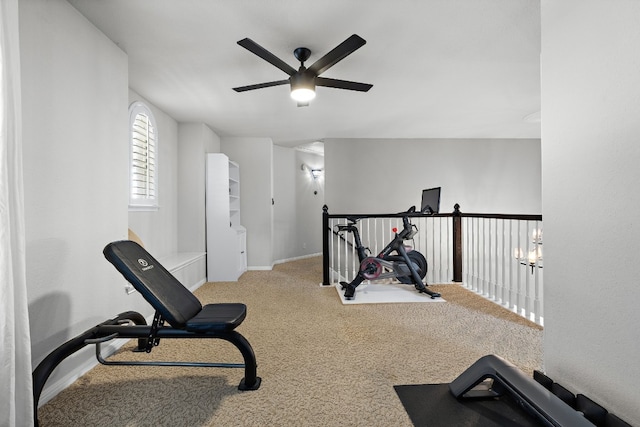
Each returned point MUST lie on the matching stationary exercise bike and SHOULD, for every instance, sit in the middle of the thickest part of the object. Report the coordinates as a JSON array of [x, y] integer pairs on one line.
[[396, 260]]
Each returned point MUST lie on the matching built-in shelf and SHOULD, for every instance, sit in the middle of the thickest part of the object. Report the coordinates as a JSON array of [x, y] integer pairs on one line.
[[226, 237]]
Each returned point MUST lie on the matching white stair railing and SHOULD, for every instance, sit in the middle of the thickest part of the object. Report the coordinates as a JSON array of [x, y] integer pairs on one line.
[[502, 261]]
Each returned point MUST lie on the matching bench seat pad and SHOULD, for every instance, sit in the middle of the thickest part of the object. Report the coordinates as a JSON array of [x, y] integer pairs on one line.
[[217, 317]]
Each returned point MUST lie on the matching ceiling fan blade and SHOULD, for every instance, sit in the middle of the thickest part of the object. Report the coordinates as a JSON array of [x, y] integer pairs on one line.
[[263, 53], [261, 85], [338, 53], [343, 84]]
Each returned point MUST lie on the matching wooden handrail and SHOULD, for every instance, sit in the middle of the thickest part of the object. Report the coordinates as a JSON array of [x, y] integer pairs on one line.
[[456, 216]]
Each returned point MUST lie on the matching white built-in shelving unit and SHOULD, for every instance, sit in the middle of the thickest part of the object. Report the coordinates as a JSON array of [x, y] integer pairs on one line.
[[226, 237]]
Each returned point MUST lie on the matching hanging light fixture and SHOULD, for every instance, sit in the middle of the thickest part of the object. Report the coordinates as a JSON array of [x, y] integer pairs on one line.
[[534, 256]]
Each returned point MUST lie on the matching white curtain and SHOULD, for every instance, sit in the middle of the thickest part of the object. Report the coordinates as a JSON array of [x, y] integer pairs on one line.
[[16, 391]]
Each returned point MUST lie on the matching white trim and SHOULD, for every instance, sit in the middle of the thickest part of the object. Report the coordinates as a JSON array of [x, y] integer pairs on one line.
[[282, 261], [144, 208]]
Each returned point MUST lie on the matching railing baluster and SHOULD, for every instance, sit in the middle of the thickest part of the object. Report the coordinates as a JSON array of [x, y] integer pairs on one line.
[[473, 249], [501, 256], [483, 257], [435, 254], [466, 267], [500, 261], [509, 301], [493, 271]]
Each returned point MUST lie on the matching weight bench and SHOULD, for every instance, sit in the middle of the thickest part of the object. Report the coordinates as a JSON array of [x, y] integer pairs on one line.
[[174, 304]]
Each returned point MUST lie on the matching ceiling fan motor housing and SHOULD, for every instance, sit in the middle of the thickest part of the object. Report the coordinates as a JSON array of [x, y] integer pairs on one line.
[[303, 79]]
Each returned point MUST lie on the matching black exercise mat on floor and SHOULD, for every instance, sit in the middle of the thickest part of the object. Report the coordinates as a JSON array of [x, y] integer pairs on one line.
[[433, 405]]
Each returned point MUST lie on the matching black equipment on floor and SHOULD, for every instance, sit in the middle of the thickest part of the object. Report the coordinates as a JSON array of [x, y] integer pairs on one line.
[[394, 261], [433, 405], [491, 376], [174, 303]]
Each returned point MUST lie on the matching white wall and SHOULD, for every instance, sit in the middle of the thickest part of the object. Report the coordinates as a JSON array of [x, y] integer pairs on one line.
[[590, 157], [297, 212], [309, 202], [284, 208], [388, 175], [158, 229], [194, 141], [255, 157], [75, 147]]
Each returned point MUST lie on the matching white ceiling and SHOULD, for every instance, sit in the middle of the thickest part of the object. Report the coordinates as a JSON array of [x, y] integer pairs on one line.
[[439, 68]]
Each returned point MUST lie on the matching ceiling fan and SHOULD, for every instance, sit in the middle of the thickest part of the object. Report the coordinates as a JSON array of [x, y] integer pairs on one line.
[[304, 80]]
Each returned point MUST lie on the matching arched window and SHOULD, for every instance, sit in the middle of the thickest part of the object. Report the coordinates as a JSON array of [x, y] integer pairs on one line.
[[143, 151]]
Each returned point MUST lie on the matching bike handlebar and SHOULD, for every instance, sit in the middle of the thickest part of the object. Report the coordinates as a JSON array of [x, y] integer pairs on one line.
[[405, 219], [353, 220]]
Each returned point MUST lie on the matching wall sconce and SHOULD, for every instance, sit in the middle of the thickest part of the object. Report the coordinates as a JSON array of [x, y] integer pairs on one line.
[[315, 173], [534, 257]]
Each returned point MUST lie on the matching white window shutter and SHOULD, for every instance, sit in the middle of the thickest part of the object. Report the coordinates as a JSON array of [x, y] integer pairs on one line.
[[143, 156]]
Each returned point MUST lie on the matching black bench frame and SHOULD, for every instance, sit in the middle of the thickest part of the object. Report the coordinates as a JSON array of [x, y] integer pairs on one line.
[[174, 304]]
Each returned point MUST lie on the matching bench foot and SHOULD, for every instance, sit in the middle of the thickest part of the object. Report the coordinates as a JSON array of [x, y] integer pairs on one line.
[[246, 387]]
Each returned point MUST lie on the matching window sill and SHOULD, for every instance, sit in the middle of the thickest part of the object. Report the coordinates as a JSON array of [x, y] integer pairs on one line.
[[143, 208]]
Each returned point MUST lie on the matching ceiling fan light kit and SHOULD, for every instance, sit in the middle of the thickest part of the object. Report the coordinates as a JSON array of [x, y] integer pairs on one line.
[[303, 81], [303, 87]]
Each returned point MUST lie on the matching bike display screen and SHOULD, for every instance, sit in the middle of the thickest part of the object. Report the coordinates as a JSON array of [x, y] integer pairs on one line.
[[430, 200]]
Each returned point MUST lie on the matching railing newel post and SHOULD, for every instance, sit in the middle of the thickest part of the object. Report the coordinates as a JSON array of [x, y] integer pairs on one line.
[[457, 243], [325, 246]]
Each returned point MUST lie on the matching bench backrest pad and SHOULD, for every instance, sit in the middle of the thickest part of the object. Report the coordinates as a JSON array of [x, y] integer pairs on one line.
[[158, 286]]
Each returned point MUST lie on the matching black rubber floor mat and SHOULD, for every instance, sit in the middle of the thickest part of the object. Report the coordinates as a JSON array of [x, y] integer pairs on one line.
[[432, 405]]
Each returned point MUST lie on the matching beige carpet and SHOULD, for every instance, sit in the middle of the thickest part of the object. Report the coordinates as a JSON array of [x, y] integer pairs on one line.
[[322, 363]]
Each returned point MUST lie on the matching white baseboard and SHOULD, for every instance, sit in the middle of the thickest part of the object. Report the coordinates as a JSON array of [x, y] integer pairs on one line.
[[281, 261], [197, 285], [260, 267], [52, 389]]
